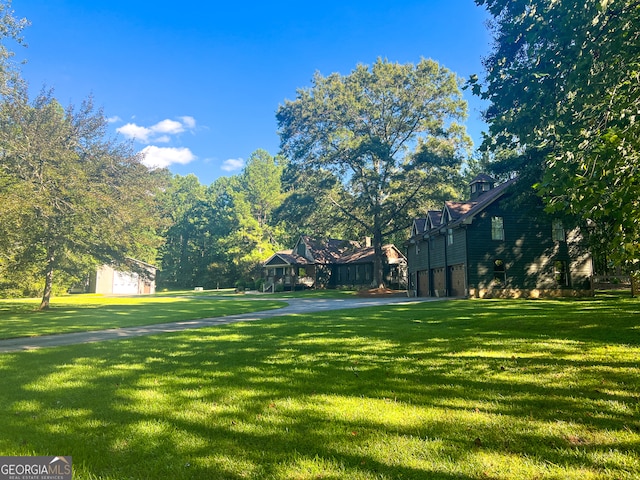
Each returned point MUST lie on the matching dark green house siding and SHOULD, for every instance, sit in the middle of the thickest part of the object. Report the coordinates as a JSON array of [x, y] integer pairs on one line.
[[437, 251], [352, 275], [500, 247], [457, 252], [528, 253]]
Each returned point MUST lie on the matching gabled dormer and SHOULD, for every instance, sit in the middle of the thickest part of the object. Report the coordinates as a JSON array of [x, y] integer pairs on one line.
[[434, 219], [419, 227], [481, 184], [302, 249], [446, 215]]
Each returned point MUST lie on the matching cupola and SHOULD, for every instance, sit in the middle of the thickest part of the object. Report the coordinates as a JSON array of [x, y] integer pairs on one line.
[[481, 184]]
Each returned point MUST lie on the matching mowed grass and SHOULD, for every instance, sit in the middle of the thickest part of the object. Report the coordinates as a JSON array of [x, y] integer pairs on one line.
[[76, 313], [482, 389]]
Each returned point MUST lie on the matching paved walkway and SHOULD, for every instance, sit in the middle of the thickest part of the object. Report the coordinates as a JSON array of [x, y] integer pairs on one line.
[[298, 305]]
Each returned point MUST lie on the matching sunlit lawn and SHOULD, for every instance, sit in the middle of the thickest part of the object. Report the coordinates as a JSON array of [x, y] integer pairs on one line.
[[448, 390], [20, 318], [229, 292]]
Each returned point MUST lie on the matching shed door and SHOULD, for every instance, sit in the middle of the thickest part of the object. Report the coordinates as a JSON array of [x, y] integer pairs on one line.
[[423, 283], [458, 287]]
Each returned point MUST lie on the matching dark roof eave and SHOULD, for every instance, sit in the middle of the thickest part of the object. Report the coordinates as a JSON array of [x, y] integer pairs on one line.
[[491, 197]]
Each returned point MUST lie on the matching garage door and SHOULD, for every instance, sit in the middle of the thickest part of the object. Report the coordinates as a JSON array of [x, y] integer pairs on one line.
[[125, 283], [439, 288], [423, 283], [458, 286]]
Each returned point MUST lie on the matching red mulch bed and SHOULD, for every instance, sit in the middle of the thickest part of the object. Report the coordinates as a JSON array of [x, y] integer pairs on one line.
[[378, 292]]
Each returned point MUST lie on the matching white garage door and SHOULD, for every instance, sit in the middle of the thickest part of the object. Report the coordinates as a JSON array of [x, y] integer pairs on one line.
[[125, 283]]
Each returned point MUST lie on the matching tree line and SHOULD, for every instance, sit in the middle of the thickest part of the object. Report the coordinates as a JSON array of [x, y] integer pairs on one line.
[[361, 154]]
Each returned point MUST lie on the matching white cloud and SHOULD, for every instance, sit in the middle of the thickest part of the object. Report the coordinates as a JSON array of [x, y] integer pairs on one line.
[[136, 132], [232, 165], [160, 132], [168, 126], [114, 119], [188, 122], [161, 157]]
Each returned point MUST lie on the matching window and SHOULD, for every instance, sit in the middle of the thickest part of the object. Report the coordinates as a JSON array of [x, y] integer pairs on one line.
[[560, 273], [302, 272], [557, 231], [497, 228], [449, 236], [499, 272]]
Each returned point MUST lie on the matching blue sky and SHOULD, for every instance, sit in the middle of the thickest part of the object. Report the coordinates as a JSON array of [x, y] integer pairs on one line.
[[196, 84]]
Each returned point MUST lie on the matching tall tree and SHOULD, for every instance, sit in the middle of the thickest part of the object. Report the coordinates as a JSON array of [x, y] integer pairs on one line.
[[10, 31], [307, 210], [220, 234], [261, 180], [389, 133], [10, 81], [253, 196], [181, 253], [70, 197], [564, 85]]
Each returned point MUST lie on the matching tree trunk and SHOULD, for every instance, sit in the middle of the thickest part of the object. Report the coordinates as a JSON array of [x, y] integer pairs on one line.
[[48, 284], [378, 262]]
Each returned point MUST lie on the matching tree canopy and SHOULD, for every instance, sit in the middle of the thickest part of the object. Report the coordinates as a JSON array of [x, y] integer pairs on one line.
[[564, 85], [10, 30], [388, 133], [70, 198], [219, 235]]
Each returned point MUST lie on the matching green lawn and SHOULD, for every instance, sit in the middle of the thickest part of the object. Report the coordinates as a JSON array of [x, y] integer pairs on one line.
[[230, 292], [76, 313], [486, 389]]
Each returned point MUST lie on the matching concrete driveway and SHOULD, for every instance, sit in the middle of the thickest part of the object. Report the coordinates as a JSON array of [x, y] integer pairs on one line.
[[295, 306]]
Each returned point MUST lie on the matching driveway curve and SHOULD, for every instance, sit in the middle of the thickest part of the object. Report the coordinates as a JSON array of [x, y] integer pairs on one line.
[[295, 306]]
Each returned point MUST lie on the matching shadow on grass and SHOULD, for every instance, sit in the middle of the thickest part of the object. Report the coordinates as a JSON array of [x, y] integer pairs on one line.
[[455, 390]]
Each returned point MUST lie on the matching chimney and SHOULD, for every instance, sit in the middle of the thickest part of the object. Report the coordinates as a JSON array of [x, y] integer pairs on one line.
[[367, 242]]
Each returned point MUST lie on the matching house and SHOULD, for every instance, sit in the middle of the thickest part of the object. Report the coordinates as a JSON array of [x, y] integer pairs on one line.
[[135, 278], [493, 246], [332, 263]]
